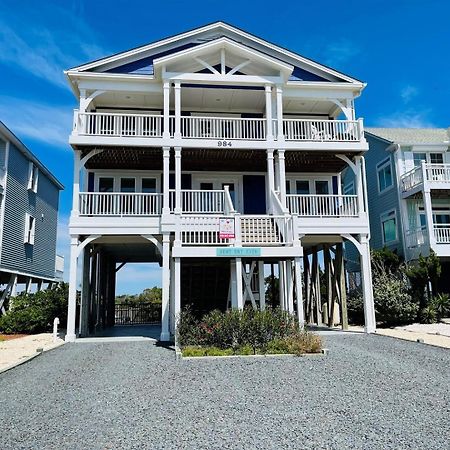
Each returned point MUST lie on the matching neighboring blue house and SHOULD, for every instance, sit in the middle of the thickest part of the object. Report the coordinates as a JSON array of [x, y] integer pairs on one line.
[[29, 197], [408, 192]]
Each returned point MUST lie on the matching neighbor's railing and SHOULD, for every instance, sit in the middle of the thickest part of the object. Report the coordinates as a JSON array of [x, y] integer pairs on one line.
[[323, 130], [442, 233], [136, 314], [437, 172], [323, 205], [416, 237], [119, 204], [412, 178]]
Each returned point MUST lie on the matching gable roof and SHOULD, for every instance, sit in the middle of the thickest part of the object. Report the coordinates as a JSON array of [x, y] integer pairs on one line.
[[7, 134], [411, 135], [210, 32]]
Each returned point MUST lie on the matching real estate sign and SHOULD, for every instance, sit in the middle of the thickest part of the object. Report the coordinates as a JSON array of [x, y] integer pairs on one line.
[[226, 228]]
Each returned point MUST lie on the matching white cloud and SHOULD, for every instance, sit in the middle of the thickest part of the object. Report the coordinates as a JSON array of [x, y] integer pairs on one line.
[[340, 51], [44, 51], [406, 119], [49, 124], [408, 92]]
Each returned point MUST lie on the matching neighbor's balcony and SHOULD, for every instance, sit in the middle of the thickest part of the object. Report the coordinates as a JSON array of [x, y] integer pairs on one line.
[[418, 241], [437, 175], [135, 126]]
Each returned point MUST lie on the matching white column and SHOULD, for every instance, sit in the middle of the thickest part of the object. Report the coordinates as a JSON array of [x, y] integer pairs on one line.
[[289, 287], [299, 292], [85, 293], [268, 90], [262, 286], [282, 176], [233, 290], [277, 172], [177, 288], [281, 285], [165, 333], [72, 308], [270, 175], [76, 183], [13, 292], [359, 184], [172, 297], [366, 278], [280, 134], [166, 92], [428, 206], [239, 296], [177, 110], [166, 170], [28, 285], [178, 206]]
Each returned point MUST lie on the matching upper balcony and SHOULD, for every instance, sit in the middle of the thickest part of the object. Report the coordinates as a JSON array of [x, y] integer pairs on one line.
[[135, 129], [435, 176]]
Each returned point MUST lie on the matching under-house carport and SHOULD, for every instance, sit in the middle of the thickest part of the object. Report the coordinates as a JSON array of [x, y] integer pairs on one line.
[[103, 259]]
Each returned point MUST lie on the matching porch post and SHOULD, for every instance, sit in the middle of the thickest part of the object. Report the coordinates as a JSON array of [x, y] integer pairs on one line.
[[178, 206], [428, 206], [76, 183], [270, 175], [166, 169], [359, 185], [289, 287], [177, 288], [269, 133], [282, 176], [84, 309], [166, 124], [280, 133], [366, 275], [28, 285], [233, 288], [261, 286], [277, 172], [165, 334], [299, 292], [177, 109], [281, 285], [72, 307], [239, 296]]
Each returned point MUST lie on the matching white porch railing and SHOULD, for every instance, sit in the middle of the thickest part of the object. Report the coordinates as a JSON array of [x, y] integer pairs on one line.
[[199, 201], [437, 173], [200, 230], [323, 205], [217, 128], [412, 179], [223, 128], [323, 130], [119, 124], [417, 237], [266, 230], [442, 233], [119, 204]]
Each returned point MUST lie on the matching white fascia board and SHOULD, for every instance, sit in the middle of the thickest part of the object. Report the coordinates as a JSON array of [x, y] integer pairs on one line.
[[222, 79], [149, 47], [343, 90], [226, 44]]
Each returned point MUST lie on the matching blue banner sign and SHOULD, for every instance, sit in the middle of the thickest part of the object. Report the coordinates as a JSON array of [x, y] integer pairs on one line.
[[237, 252]]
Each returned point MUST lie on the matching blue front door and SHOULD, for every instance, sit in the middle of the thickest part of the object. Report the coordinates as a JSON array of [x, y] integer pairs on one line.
[[254, 194]]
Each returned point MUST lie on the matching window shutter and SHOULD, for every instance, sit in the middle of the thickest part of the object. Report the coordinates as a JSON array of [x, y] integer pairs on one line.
[[30, 175], [36, 178], [32, 230]]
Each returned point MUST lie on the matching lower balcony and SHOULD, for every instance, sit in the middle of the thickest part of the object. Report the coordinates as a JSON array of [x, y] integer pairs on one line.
[[417, 241]]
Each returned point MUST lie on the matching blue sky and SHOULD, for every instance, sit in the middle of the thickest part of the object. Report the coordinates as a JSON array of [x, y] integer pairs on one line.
[[400, 48]]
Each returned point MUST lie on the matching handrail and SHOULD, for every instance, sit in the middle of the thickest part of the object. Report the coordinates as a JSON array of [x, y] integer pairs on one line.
[[229, 207], [276, 205]]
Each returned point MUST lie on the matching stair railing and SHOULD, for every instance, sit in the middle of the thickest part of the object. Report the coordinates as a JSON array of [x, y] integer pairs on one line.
[[228, 207], [281, 218]]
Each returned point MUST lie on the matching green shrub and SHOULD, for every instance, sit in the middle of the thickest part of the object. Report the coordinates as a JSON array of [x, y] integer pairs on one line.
[[34, 313], [441, 305], [304, 342], [428, 314]]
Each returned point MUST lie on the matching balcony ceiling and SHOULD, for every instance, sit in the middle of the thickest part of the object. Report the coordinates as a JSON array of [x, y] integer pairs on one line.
[[235, 160], [202, 98]]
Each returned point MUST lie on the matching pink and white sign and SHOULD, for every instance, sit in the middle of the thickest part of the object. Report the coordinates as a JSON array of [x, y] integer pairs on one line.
[[226, 228]]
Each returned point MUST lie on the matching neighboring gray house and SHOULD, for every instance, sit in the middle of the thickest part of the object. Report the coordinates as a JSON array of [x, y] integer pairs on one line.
[[408, 190], [29, 197]]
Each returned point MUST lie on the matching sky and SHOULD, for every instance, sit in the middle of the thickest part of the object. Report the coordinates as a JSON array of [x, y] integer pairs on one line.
[[399, 48]]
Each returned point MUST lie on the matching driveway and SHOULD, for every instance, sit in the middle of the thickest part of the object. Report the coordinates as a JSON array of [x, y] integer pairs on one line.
[[370, 392]]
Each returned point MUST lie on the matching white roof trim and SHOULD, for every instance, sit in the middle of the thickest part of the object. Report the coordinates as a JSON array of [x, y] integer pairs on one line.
[[145, 48], [227, 44]]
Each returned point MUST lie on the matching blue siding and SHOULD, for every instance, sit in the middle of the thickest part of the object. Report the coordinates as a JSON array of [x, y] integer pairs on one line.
[[378, 203], [37, 259], [2, 153]]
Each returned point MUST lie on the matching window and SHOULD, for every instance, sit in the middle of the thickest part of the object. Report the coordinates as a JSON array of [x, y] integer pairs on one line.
[[384, 170], [127, 185], [321, 187], [389, 227], [436, 158], [106, 184], [33, 175], [349, 189], [288, 187], [149, 185], [302, 187], [30, 227], [418, 158]]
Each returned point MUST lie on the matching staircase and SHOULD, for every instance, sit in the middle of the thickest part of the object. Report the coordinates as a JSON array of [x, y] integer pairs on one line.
[[260, 230]]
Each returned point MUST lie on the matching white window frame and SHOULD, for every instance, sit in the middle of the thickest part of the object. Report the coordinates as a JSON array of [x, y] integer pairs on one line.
[[33, 177], [385, 216], [381, 166], [30, 229]]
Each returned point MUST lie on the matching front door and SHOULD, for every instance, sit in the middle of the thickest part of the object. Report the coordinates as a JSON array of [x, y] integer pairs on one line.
[[254, 194]]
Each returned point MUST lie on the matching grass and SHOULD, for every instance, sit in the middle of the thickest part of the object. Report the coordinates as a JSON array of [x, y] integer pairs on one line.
[[299, 344]]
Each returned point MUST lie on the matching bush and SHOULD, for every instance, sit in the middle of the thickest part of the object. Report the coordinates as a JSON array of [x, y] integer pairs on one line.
[[244, 332], [34, 313], [441, 304], [428, 314], [355, 307]]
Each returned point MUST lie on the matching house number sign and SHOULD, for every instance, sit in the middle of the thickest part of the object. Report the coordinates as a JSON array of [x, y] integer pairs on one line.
[[224, 143]]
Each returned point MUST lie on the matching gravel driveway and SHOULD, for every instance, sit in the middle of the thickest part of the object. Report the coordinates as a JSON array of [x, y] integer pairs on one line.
[[371, 392]]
